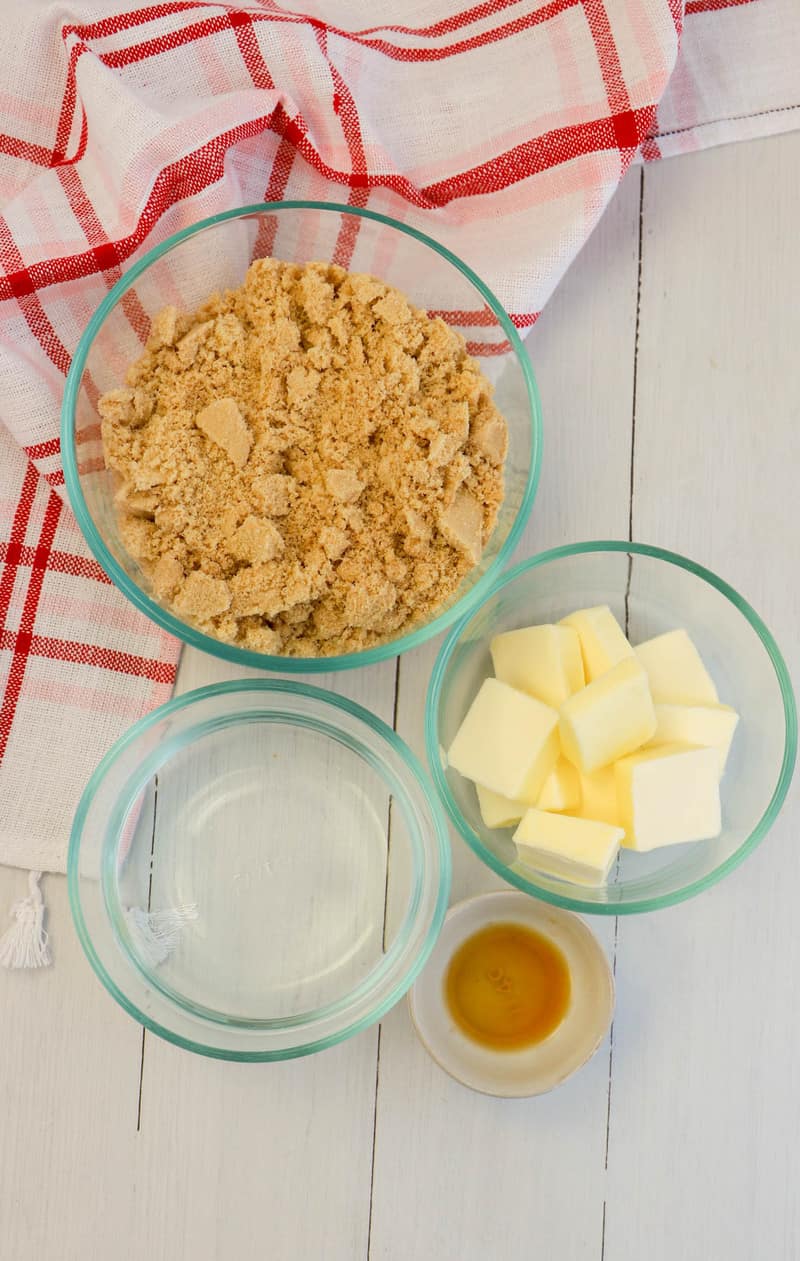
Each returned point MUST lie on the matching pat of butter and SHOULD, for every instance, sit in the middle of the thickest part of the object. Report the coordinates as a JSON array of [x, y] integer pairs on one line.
[[609, 718], [561, 788], [668, 795], [602, 640], [599, 796], [579, 850], [544, 661], [508, 742], [709, 726], [676, 671], [497, 811]]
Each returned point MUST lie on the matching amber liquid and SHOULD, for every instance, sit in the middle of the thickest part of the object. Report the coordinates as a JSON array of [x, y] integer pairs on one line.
[[507, 987]]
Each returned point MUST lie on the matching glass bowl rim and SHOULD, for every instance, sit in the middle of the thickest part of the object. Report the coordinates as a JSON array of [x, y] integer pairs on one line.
[[656, 902], [439, 844], [231, 652]]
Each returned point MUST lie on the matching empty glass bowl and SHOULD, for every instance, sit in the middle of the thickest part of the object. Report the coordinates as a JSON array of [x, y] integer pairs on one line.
[[214, 255], [650, 591], [258, 870]]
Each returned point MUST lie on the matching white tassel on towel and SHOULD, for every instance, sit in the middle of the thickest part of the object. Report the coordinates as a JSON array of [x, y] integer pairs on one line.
[[157, 933], [25, 943]]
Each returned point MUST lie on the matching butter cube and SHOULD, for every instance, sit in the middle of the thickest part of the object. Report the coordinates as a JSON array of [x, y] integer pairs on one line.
[[544, 661], [508, 742], [561, 788], [599, 797], [497, 811], [676, 671], [609, 718], [669, 794], [709, 726], [578, 850], [603, 643]]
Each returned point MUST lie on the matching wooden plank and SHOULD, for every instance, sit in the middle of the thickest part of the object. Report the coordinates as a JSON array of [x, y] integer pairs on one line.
[[703, 1157], [456, 1174], [68, 1095], [250, 1160], [256, 1160]]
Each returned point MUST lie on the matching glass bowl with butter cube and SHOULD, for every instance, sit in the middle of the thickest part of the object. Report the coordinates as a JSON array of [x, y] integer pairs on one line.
[[613, 730]]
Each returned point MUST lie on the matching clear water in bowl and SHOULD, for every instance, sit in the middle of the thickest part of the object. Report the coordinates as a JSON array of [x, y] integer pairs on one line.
[[269, 841], [258, 869]]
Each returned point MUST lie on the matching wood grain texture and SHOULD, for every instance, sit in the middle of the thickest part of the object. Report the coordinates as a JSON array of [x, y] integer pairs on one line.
[[68, 1094], [256, 1160], [703, 1156], [458, 1175]]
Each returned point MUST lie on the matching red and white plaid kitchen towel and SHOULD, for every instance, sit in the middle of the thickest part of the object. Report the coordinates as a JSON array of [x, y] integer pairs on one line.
[[119, 127]]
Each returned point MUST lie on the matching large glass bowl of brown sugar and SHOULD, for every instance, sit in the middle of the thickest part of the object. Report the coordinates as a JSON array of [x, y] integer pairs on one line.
[[301, 436]]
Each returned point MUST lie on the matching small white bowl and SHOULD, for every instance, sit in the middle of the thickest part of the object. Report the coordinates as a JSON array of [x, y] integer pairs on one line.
[[531, 1070]]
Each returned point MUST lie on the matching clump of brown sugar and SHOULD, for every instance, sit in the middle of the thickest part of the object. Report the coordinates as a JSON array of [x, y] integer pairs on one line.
[[308, 465]]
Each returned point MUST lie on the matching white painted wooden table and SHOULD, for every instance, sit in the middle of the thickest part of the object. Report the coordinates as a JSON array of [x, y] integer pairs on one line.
[[668, 367]]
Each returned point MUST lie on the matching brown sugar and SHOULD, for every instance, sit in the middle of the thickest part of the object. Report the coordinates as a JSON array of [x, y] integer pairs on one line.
[[308, 465]]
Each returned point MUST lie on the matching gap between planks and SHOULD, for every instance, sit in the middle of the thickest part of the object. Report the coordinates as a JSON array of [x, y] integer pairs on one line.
[[149, 898], [395, 705], [627, 597]]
